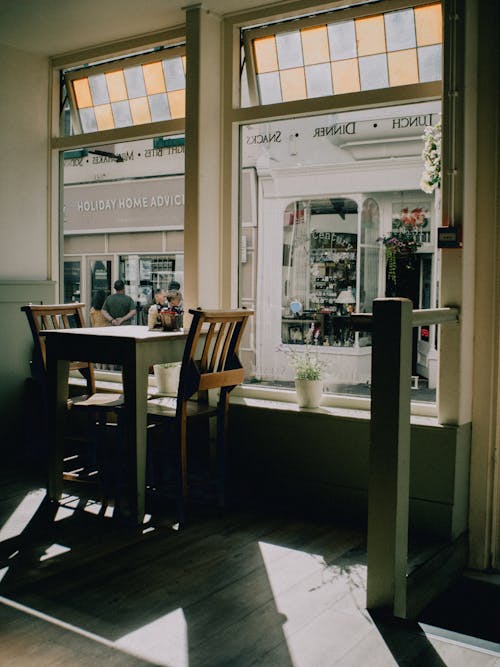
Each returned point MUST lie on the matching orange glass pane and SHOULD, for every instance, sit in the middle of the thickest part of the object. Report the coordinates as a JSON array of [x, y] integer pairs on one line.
[[104, 117], [315, 45], [153, 78], [293, 84], [345, 76], [266, 57], [403, 68], [370, 35], [82, 92], [116, 86], [183, 58], [429, 25], [177, 103], [139, 108]]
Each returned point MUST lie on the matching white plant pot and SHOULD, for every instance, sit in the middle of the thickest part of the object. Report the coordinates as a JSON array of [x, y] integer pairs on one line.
[[309, 392], [167, 378]]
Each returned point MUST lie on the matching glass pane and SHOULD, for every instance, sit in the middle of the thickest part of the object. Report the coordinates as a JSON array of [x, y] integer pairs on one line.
[[342, 38], [429, 24], [315, 45], [429, 63], [400, 30], [174, 74], [293, 84], [135, 82], [116, 86], [289, 49], [159, 107], [127, 202], [373, 72], [266, 59], [121, 114], [370, 35], [153, 78], [177, 103], [139, 108], [82, 93], [403, 67], [99, 89], [88, 120], [345, 75], [319, 80], [104, 117], [269, 87], [312, 250]]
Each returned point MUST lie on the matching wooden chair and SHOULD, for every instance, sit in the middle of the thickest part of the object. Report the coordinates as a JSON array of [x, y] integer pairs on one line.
[[209, 362], [98, 405]]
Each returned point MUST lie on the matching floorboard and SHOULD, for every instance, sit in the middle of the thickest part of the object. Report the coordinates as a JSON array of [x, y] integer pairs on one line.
[[239, 588]]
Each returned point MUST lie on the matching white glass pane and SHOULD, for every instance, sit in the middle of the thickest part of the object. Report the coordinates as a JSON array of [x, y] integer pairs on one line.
[[121, 113], [373, 72], [342, 38], [174, 74], [289, 49], [159, 107], [319, 80], [135, 82], [99, 89], [270, 88], [87, 119], [429, 62], [400, 30]]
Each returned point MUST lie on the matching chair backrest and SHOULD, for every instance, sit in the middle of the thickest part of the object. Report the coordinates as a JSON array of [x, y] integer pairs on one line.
[[57, 316], [211, 354]]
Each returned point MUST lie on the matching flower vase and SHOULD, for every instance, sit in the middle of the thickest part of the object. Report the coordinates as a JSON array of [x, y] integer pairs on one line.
[[309, 392]]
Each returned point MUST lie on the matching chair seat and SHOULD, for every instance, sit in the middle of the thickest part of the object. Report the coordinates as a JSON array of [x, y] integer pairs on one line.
[[166, 407]]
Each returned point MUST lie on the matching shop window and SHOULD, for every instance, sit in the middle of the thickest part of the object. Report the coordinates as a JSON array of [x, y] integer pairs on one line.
[[329, 54], [320, 245], [72, 281]]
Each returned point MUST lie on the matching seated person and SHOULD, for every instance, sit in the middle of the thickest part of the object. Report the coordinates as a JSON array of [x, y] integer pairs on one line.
[[160, 301], [174, 299]]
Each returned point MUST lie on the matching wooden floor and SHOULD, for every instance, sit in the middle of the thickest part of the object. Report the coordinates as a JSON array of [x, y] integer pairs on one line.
[[233, 589]]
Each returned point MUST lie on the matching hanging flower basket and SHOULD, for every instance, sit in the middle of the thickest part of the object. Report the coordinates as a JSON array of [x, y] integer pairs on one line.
[[403, 241]]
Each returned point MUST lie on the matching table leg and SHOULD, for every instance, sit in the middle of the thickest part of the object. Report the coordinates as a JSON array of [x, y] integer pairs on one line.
[[57, 397], [135, 380]]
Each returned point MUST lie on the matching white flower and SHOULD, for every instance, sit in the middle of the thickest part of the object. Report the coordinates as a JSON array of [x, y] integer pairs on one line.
[[431, 155]]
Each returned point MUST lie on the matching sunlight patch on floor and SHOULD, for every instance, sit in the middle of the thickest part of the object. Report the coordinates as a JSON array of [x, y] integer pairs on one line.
[[22, 515], [53, 551], [164, 641]]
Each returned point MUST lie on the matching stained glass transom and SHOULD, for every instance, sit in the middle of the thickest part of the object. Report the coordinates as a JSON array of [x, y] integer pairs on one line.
[[130, 95], [392, 49]]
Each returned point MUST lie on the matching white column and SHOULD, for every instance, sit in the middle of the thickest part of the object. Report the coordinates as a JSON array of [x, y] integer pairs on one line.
[[202, 166]]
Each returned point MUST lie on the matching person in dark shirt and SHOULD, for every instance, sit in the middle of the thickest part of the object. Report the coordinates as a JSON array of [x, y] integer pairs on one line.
[[118, 308]]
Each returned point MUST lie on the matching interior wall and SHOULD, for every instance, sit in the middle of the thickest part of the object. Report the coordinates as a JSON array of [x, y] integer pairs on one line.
[[24, 256], [23, 186]]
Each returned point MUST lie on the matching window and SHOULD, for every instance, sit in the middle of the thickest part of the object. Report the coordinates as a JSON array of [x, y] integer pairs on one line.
[[323, 55], [319, 191], [126, 92]]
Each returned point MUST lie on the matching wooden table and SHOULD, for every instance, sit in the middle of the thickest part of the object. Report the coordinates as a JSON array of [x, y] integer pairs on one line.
[[135, 348]]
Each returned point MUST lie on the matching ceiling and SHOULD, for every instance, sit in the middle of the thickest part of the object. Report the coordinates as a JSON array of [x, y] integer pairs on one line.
[[53, 27]]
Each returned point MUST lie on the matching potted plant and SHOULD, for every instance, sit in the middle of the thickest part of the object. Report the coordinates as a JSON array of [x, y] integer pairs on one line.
[[309, 370]]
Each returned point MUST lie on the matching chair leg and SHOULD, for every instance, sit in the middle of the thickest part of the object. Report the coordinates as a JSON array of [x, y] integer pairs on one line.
[[221, 447], [183, 485]]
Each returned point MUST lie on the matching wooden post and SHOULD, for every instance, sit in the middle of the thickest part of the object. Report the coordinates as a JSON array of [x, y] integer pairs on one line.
[[389, 469]]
